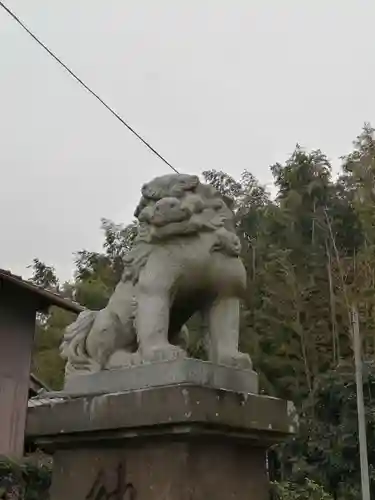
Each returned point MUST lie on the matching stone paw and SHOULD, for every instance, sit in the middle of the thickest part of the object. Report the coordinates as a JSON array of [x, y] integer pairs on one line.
[[123, 359], [236, 360], [163, 353]]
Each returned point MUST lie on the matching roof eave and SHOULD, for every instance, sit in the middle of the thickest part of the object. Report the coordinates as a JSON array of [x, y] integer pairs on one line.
[[46, 298]]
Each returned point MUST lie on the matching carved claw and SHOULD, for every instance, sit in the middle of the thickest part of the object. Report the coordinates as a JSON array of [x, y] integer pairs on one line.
[[163, 353]]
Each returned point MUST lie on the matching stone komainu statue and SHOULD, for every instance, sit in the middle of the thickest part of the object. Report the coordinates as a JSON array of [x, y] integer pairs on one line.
[[185, 259]]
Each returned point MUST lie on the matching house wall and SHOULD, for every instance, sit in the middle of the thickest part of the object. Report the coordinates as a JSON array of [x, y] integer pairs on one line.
[[17, 326]]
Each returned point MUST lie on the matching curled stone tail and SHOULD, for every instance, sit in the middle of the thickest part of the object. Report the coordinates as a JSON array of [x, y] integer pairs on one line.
[[73, 346]]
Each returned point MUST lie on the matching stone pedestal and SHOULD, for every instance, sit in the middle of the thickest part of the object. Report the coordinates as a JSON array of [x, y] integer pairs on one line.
[[178, 442], [182, 371]]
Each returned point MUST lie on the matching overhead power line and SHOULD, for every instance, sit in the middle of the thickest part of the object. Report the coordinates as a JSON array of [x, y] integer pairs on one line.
[[36, 39]]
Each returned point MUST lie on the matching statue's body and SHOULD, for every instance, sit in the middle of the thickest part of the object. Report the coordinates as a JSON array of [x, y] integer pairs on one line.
[[185, 259]]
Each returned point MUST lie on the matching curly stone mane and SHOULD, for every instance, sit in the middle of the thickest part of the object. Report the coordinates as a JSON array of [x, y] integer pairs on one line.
[[175, 206]]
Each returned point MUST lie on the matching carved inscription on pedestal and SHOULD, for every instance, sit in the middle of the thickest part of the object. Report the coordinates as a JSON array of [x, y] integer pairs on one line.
[[121, 490]]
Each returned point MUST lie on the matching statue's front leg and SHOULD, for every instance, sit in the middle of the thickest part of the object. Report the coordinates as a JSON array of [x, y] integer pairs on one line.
[[224, 324], [152, 324]]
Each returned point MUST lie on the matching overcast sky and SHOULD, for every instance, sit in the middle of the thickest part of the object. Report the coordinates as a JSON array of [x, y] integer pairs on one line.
[[225, 84]]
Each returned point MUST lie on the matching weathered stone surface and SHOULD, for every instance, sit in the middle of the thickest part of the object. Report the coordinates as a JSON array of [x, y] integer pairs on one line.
[[185, 259], [168, 443], [186, 409], [179, 371], [163, 470]]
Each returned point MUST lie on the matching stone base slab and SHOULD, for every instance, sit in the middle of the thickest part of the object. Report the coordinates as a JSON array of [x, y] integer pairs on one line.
[[158, 411], [157, 374]]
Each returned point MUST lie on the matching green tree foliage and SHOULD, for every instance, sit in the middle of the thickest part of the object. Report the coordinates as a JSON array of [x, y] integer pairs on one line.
[[98, 273], [307, 490], [43, 275], [27, 479], [326, 449], [47, 363], [309, 253]]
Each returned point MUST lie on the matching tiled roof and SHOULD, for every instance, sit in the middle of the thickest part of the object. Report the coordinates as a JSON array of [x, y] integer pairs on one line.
[[47, 298]]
